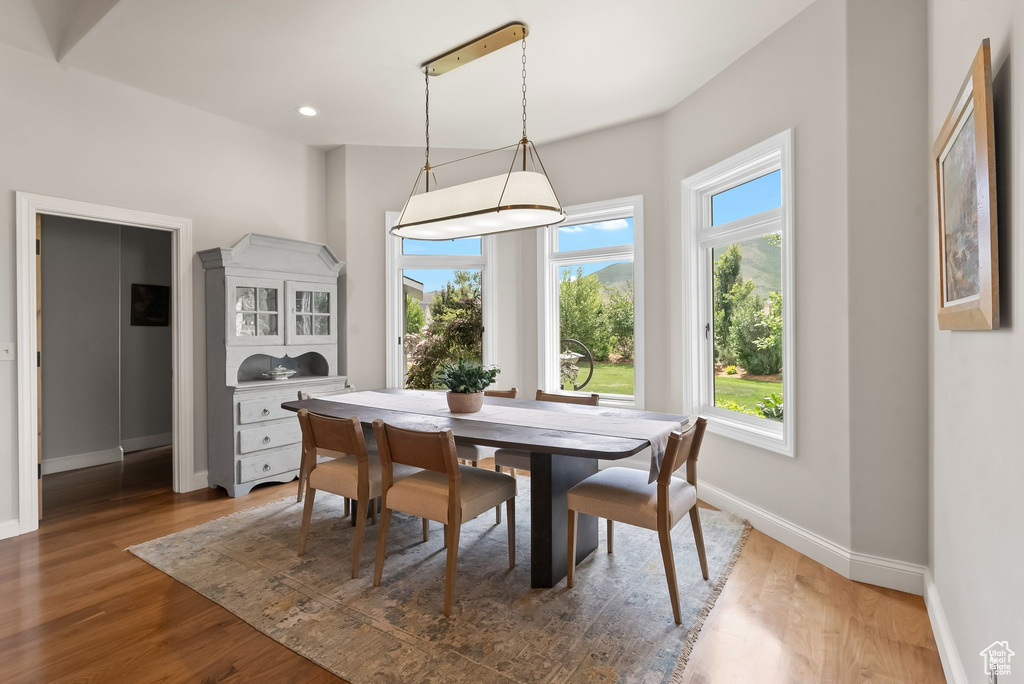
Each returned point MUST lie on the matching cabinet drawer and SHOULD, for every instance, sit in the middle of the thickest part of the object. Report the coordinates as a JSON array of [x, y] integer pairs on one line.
[[269, 436], [258, 467], [258, 410]]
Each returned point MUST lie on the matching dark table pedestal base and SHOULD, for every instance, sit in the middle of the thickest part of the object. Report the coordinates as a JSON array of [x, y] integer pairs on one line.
[[551, 477]]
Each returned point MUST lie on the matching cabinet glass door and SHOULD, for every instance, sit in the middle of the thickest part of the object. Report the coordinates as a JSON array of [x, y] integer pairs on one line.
[[311, 308], [254, 311]]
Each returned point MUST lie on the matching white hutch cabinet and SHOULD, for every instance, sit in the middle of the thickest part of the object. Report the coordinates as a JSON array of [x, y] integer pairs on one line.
[[269, 302]]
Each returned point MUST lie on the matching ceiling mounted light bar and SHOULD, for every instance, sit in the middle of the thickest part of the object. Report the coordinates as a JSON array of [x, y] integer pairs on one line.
[[517, 200]]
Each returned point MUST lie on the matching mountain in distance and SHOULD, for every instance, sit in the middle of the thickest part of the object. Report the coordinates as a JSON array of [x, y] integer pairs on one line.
[[614, 276]]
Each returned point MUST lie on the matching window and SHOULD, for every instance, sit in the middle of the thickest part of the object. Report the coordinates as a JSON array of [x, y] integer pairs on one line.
[[738, 237], [591, 302], [438, 302]]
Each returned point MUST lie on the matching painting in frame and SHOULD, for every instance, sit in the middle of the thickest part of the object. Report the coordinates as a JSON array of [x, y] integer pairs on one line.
[[965, 169]]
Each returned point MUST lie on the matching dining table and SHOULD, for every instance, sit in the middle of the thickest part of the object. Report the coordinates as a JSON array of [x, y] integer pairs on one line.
[[563, 452]]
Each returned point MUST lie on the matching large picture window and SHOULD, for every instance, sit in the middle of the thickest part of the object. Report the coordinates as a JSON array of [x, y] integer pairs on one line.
[[438, 299], [591, 302], [738, 228]]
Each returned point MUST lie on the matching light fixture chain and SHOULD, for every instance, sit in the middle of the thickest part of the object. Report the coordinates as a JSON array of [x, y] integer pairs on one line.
[[426, 131], [524, 86]]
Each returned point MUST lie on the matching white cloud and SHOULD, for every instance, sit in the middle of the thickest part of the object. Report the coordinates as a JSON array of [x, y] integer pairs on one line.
[[571, 229]]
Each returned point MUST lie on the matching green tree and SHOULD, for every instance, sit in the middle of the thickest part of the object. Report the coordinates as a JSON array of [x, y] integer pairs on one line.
[[414, 316], [582, 312], [620, 319], [726, 276], [756, 333], [455, 331]]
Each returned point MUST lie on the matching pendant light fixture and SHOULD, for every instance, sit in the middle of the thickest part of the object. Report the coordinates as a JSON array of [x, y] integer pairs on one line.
[[520, 199]]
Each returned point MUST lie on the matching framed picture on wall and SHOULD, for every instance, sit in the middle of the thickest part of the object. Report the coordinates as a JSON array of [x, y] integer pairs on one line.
[[965, 168], [151, 305]]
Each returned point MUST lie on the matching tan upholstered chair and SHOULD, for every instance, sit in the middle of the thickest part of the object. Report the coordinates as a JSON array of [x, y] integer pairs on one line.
[[623, 494], [443, 491], [472, 454], [514, 459], [353, 473], [371, 447]]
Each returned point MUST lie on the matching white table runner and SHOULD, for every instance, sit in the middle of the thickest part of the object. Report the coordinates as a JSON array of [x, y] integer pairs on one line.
[[597, 422]]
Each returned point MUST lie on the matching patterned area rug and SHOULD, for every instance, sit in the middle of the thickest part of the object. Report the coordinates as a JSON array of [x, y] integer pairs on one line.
[[615, 625]]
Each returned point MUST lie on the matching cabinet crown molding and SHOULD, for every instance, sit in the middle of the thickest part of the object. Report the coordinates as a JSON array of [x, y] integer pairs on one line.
[[271, 253]]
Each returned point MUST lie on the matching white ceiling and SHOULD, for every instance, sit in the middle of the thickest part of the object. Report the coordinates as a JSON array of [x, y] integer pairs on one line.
[[591, 63]]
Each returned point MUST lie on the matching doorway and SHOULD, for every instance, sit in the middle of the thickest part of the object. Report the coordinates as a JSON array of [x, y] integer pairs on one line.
[[29, 210]]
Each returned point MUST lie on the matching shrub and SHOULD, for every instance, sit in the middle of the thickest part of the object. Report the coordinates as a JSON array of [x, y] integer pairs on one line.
[[756, 334], [730, 405], [466, 377], [620, 319], [771, 406], [582, 312], [731, 370]]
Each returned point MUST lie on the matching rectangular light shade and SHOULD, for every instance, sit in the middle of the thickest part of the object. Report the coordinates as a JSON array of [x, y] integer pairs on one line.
[[472, 209]]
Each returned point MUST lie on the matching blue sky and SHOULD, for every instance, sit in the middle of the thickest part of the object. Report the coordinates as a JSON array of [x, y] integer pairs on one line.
[[760, 194]]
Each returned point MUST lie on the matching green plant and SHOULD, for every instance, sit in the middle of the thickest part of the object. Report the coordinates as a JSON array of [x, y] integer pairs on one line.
[[466, 377], [771, 406], [619, 311], [582, 312], [414, 317], [455, 331], [731, 370], [756, 333], [730, 405]]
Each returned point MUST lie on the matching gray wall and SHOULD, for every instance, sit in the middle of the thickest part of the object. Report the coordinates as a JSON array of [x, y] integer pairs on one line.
[[80, 337], [145, 350], [977, 469], [75, 135]]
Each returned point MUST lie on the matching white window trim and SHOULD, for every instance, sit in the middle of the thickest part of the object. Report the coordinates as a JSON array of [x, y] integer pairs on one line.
[[396, 262], [548, 262], [698, 239]]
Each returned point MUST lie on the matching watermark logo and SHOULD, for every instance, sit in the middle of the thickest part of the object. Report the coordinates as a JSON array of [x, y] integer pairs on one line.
[[997, 658]]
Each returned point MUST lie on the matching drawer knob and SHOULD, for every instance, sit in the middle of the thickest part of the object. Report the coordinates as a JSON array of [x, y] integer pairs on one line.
[[266, 440], [266, 412], [266, 467]]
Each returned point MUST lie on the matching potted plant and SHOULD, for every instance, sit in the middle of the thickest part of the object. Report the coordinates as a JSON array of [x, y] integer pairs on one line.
[[466, 382]]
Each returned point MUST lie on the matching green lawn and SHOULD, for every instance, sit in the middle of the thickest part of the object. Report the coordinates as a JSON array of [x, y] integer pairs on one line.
[[609, 378], [746, 393]]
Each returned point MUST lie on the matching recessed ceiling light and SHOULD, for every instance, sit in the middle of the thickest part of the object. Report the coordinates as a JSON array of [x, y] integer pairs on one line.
[[308, 111]]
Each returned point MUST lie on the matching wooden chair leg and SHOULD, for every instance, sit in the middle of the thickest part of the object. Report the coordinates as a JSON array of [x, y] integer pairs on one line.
[[670, 570], [611, 534], [382, 544], [497, 509], [357, 541], [698, 538], [446, 536], [570, 558], [302, 483], [510, 508], [348, 510], [307, 515], [449, 568], [373, 511], [426, 530]]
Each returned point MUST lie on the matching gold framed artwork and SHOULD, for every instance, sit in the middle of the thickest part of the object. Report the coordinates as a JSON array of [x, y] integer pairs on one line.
[[965, 170]]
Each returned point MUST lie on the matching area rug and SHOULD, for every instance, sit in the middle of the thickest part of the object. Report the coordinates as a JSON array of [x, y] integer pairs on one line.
[[615, 625]]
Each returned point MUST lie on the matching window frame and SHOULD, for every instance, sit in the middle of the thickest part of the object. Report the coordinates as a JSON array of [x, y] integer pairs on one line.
[[396, 263], [549, 260], [699, 239]]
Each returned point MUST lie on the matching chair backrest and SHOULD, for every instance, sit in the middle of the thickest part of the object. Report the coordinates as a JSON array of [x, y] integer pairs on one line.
[[430, 450], [504, 394], [343, 435], [683, 447], [568, 398]]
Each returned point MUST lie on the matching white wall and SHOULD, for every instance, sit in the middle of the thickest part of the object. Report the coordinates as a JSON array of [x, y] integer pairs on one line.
[[78, 136], [977, 469], [146, 408]]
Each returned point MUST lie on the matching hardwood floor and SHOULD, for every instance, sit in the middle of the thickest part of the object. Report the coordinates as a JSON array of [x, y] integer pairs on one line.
[[74, 606]]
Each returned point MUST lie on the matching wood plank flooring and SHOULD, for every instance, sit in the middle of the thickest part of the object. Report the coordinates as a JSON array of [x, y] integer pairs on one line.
[[75, 607]]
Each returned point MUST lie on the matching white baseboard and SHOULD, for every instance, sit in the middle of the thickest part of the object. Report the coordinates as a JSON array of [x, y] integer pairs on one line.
[[75, 461], [200, 480], [884, 572], [10, 528], [146, 442], [951, 665]]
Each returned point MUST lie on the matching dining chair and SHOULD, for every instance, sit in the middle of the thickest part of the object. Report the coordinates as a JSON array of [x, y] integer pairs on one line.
[[352, 473], [371, 446], [442, 490], [515, 459], [624, 495]]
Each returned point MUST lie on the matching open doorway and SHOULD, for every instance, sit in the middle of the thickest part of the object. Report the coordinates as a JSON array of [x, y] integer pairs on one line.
[[32, 211], [104, 336]]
